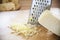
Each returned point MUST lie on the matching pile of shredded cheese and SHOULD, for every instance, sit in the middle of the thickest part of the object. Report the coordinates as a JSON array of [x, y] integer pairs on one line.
[[25, 30]]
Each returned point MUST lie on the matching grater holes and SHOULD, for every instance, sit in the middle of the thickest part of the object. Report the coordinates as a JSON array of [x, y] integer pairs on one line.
[[36, 2], [31, 19], [33, 11], [35, 8], [42, 10], [40, 3], [45, 4], [32, 14], [41, 6], [39, 9], [47, 1], [38, 13], [32, 8], [35, 17], [34, 5], [40, 0]]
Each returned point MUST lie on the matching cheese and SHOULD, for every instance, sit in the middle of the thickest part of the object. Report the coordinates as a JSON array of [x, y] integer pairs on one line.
[[16, 2], [50, 22], [5, 1], [7, 6], [23, 29]]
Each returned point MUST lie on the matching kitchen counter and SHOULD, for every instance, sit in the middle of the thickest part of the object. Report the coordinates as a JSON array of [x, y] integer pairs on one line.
[[8, 18]]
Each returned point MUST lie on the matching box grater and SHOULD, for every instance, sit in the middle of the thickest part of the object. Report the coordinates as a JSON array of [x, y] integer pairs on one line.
[[38, 6]]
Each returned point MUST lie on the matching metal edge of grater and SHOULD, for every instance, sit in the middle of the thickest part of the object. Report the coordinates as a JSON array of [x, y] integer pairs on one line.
[[38, 6]]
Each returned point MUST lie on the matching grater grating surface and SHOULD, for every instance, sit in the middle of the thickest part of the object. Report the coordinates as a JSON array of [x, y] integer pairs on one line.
[[38, 6]]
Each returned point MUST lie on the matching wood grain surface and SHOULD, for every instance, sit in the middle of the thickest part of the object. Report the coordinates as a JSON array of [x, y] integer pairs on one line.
[[25, 4], [44, 34], [56, 3], [7, 18]]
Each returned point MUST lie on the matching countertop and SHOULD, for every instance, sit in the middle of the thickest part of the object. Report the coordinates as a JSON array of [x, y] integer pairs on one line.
[[7, 18]]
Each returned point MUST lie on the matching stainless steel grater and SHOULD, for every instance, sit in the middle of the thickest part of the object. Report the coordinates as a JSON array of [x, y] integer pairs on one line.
[[38, 6]]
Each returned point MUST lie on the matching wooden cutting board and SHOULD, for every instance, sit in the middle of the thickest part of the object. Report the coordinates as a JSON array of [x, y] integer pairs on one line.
[[44, 34], [7, 18]]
